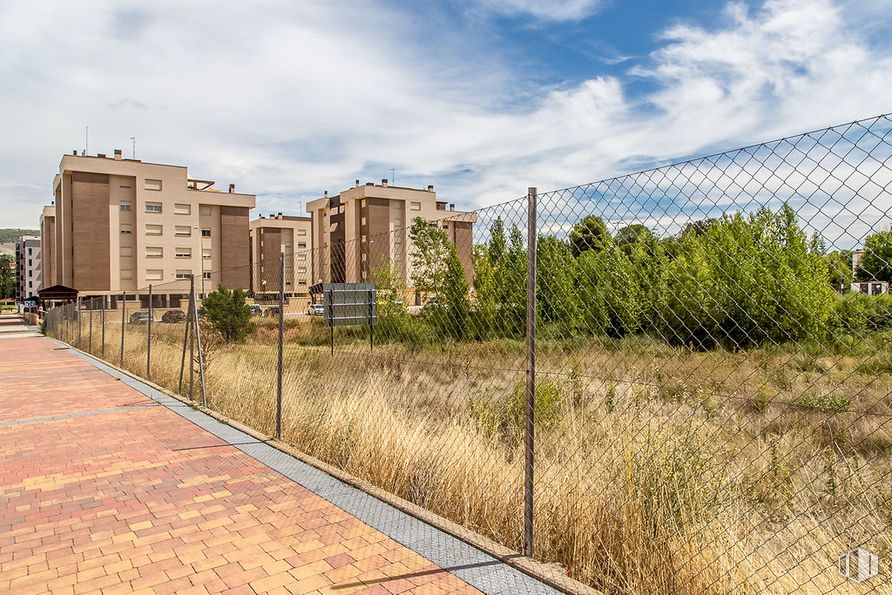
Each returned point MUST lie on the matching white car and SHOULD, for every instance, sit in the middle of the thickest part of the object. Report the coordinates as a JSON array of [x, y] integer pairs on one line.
[[316, 310]]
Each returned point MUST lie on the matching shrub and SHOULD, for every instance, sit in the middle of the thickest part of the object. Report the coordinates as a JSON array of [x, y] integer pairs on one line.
[[229, 314], [833, 403]]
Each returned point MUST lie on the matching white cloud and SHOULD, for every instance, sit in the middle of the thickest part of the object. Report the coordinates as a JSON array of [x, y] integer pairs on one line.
[[547, 10], [289, 99]]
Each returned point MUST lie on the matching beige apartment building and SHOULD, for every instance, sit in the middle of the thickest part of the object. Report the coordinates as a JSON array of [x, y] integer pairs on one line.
[[122, 224], [275, 235], [367, 227], [48, 247]]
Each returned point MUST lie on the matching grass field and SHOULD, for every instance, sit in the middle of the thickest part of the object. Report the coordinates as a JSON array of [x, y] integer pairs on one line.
[[659, 470]]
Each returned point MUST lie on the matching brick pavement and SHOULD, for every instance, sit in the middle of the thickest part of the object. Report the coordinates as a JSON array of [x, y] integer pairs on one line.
[[123, 495]]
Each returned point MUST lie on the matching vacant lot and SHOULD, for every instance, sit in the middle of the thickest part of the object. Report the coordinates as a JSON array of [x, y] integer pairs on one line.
[[658, 469]]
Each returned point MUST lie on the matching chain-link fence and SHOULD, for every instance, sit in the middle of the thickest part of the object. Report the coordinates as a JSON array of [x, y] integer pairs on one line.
[[678, 380]]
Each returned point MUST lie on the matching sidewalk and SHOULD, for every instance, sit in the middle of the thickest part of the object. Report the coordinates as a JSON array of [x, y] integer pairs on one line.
[[108, 485], [13, 325]]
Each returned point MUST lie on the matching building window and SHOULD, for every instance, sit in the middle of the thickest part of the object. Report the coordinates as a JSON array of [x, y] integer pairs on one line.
[[154, 252], [182, 231], [301, 270], [205, 232], [153, 207], [184, 252], [206, 275], [154, 274], [301, 245], [182, 208], [205, 252], [126, 207], [151, 184], [126, 230], [301, 232], [415, 205], [126, 274], [184, 274], [154, 230], [29, 251], [126, 250]]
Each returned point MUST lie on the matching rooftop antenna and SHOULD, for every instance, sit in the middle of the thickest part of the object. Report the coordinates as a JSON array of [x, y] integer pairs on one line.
[[86, 140], [393, 176], [133, 147]]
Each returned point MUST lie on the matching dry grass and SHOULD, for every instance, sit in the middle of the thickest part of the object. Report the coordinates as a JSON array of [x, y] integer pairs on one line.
[[658, 470]]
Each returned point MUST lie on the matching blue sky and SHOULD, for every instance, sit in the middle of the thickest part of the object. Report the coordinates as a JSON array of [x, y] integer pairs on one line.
[[481, 98]]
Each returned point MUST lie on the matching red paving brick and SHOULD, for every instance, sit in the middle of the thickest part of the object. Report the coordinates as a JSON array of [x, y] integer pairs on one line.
[[122, 501]]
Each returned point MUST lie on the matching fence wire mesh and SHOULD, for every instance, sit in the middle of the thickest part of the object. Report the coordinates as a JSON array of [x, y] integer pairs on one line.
[[713, 365]]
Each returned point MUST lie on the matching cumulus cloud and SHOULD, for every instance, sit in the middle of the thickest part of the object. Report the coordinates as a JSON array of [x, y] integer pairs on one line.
[[288, 99]]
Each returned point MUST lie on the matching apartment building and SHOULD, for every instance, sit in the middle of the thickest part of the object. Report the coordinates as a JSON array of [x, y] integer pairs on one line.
[[121, 224], [367, 227], [281, 234], [27, 267], [48, 247]]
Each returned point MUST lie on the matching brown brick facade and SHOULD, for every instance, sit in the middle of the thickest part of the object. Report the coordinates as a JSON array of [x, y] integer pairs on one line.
[[270, 249], [234, 246], [48, 250], [89, 231]]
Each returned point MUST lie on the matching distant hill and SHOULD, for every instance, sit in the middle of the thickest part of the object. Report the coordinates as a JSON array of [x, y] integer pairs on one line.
[[9, 235]]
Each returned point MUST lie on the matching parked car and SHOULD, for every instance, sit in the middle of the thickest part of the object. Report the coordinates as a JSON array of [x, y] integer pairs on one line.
[[271, 311], [173, 316], [139, 317], [316, 310], [256, 310]]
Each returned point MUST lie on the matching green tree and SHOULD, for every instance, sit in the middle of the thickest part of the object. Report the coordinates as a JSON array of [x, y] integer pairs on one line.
[[437, 270], [839, 269], [556, 295], [430, 250], [394, 321], [7, 276], [634, 234], [228, 313], [455, 308], [876, 262], [589, 234], [747, 280], [498, 244]]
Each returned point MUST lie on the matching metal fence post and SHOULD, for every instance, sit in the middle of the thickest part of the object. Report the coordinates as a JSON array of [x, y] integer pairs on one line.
[[371, 325], [123, 322], [281, 346], [192, 339], [331, 317], [185, 341], [90, 332], [197, 332], [102, 332], [149, 341], [531, 376], [78, 306]]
